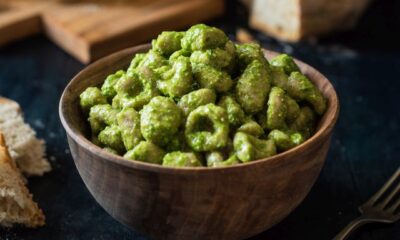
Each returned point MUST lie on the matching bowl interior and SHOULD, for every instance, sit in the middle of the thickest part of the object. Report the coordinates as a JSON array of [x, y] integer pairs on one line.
[[77, 127]]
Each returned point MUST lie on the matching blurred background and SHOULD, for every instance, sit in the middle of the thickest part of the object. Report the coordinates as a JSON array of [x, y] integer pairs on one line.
[[354, 43]]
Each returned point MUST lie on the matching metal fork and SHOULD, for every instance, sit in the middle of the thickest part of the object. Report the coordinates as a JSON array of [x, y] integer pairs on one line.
[[383, 207]]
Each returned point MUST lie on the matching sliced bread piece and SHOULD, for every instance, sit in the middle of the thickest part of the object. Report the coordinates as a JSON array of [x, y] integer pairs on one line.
[[293, 20], [26, 150], [16, 203]]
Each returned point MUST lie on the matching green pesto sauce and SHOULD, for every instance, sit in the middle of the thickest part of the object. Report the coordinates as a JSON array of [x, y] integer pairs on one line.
[[181, 159], [197, 99]]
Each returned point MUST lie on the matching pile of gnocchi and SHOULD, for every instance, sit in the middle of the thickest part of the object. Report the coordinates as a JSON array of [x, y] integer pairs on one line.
[[198, 99]]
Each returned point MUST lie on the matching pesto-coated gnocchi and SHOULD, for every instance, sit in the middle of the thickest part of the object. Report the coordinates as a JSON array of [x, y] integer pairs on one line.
[[253, 87], [252, 127], [111, 136], [285, 141], [160, 120], [177, 80], [285, 62], [129, 123], [217, 159], [90, 97], [248, 148], [196, 99], [101, 116], [181, 159], [134, 91], [207, 128], [168, 42], [107, 89], [236, 115], [146, 152]]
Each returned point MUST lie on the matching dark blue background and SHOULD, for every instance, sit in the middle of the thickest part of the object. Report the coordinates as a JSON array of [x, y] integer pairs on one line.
[[363, 65]]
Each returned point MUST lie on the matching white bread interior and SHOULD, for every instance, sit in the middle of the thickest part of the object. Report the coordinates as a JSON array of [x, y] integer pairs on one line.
[[26, 150], [293, 20]]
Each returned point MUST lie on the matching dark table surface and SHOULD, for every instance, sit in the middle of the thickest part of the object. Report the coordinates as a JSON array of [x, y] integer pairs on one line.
[[363, 65]]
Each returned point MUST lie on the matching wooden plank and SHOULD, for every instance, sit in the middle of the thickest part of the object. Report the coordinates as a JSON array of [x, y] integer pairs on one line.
[[175, 17], [17, 20], [94, 31], [72, 44], [90, 30]]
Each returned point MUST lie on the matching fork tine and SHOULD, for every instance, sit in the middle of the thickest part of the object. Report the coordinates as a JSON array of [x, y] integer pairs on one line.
[[395, 206], [390, 197], [377, 195]]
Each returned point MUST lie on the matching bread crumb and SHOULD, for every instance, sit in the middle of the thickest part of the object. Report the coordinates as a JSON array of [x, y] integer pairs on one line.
[[244, 36]]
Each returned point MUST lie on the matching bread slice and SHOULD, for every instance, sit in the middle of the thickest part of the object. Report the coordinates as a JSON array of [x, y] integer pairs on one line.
[[26, 150], [8, 110], [293, 20], [16, 203]]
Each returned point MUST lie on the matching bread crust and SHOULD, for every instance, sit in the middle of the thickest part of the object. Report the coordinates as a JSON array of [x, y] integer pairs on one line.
[[7, 101], [33, 215]]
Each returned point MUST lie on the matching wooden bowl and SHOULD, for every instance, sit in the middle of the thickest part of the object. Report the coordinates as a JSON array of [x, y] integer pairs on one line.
[[233, 202]]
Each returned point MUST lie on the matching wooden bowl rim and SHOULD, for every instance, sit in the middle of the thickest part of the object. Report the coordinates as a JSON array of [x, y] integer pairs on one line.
[[325, 126]]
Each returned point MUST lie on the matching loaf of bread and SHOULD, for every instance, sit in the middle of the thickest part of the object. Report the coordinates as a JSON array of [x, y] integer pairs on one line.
[[16, 204], [293, 20], [26, 150]]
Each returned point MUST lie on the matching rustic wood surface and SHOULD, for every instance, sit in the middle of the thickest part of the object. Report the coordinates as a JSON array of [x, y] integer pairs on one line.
[[194, 203], [89, 30]]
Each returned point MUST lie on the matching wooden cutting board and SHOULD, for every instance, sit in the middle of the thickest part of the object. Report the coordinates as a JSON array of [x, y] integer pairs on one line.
[[90, 30]]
